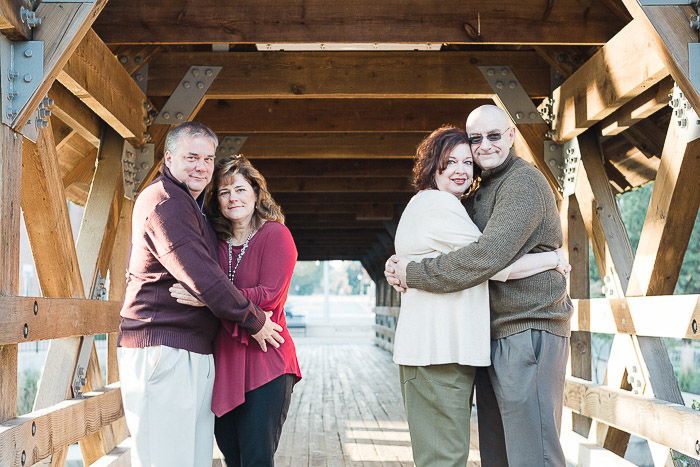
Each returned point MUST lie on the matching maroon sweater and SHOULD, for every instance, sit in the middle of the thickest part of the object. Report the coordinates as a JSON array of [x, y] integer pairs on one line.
[[171, 241]]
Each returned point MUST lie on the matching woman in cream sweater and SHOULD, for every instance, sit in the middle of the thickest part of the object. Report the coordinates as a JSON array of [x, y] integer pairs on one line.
[[441, 338]]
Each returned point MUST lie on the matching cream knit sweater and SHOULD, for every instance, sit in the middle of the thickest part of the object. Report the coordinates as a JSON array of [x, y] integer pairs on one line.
[[437, 328], [517, 213]]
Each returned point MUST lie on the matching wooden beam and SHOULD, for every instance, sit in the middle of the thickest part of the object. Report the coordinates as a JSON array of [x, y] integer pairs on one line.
[[54, 318], [360, 168], [11, 24], [82, 170], [672, 425], [75, 114], [613, 76], [670, 217], [97, 78], [335, 115], [329, 208], [650, 101], [133, 58], [639, 316], [349, 74], [46, 217], [363, 21], [62, 29], [338, 185], [58, 426], [669, 30], [332, 145], [10, 182], [342, 198]]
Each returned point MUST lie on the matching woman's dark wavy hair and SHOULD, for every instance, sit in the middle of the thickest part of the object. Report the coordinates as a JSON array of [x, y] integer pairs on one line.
[[266, 209], [432, 155]]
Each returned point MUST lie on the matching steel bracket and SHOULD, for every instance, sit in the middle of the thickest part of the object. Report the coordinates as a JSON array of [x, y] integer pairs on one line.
[[135, 165], [22, 64], [230, 146], [563, 160], [684, 116], [187, 95], [511, 94]]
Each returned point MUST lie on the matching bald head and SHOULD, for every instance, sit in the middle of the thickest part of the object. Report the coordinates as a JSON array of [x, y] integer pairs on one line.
[[490, 128], [487, 116]]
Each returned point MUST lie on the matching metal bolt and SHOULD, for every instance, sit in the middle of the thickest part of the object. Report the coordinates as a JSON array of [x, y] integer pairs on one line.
[[27, 78], [499, 84], [512, 85], [36, 308], [12, 74], [697, 446], [11, 115], [569, 151], [29, 17], [123, 59], [41, 123], [683, 122], [200, 85], [139, 76], [33, 428], [25, 330], [166, 115], [138, 59], [28, 53], [187, 85], [678, 112], [519, 115], [47, 102], [533, 115], [44, 113], [637, 383], [552, 147], [11, 95], [504, 71], [491, 72], [195, 72], [561, 58], [694, 326], [23, 458], [634, 368], [552, 162], [179, 116], [209, 72]]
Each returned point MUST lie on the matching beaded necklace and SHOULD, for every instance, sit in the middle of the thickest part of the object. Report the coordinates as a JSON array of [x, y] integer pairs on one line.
[[232, 271]]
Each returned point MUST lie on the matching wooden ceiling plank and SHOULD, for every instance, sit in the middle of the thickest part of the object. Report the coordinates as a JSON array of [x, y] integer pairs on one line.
[[97, 78], [335, 115], [610, 78], [363, 21], [375, 74]]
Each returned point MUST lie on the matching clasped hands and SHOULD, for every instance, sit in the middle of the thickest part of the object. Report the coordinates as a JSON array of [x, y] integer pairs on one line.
[[268, 334]]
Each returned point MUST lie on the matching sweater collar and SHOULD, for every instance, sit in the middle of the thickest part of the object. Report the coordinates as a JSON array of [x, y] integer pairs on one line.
[[169, 176], [490, 173]]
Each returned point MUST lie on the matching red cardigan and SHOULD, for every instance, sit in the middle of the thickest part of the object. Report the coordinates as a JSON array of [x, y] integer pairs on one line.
[[263, 277]]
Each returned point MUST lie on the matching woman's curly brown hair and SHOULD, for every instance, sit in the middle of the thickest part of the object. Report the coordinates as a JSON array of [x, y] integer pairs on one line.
[[266, 209], [433, 153]]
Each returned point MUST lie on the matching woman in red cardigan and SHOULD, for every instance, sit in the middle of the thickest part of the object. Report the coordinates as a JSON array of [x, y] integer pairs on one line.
[[252, 387]]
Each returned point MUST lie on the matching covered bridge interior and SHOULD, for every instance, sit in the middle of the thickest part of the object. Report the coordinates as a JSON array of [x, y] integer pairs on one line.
[[329, 100]]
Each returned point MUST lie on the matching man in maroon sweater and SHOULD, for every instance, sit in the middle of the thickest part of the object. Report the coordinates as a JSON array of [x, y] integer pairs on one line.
[[165, 354]]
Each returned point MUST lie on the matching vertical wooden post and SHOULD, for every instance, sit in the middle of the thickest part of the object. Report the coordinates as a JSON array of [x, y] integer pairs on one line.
[[10, 181]]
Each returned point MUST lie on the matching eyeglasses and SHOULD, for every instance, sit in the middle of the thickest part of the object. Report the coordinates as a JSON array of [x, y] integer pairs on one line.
[[493, 136]]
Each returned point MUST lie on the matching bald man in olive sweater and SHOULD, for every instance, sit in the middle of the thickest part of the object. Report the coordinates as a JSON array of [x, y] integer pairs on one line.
[[520, 396]]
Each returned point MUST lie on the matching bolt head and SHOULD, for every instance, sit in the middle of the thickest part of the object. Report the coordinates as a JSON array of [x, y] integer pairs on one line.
[[166, 115], [200, 85], [139, 77], [123, 59], [28, 53], [27, 78], [512, 85], [504, 71], [195, 72], [209, 72], [138, 59], [499, 84], [179, 116], [519, 115], [187, 85], [490, 72]]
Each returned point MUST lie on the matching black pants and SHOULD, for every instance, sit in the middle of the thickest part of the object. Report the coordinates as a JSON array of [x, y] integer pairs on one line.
[[248, 435]]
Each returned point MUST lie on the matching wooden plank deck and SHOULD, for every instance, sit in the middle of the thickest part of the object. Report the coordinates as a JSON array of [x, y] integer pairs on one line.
[[347, 411]]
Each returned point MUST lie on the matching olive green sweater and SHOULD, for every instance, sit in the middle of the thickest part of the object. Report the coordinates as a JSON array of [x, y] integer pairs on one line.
[[516, 211]]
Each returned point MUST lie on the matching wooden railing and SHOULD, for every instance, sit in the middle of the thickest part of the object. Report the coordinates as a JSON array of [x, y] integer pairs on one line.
[[634, 411]]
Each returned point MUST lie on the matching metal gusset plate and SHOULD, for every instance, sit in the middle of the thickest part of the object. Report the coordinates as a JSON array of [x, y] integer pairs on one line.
[[512, 94], [22, 65], [136, 162], [684, 116], [230, 146], [563, 161], [187, 95]]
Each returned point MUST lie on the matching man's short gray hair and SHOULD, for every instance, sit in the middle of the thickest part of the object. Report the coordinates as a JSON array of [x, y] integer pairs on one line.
[[190, 130]]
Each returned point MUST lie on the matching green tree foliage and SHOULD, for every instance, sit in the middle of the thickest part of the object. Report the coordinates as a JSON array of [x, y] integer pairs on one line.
[[307, 278]]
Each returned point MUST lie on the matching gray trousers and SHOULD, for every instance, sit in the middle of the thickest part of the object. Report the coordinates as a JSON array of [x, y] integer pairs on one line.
[[438, 403], [519, 400]]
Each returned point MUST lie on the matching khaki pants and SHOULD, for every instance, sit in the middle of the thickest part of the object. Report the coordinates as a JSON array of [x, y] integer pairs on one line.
[[167, 404], [519, 401], [438, 403]]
